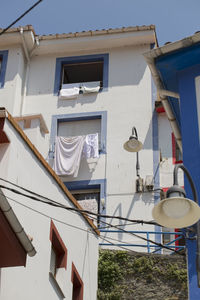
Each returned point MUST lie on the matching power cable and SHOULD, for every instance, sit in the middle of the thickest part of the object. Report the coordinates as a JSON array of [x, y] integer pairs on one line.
[[57, 204], [20, 17], [70, 225]]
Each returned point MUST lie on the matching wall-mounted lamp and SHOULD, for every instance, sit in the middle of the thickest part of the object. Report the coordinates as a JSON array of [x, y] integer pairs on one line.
[[177, 211], [133, 144]]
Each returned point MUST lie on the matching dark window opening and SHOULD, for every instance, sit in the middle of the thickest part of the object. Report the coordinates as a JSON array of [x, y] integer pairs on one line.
[[83, 72], [77, 292]]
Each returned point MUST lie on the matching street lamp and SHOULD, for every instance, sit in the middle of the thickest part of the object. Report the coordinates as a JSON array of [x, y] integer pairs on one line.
[[177, 211], [133, 144]]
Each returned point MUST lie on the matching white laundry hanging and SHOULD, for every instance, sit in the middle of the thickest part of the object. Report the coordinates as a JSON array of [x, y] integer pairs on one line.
[[68, 152], [90, 87], [91, 146], [69, 91]]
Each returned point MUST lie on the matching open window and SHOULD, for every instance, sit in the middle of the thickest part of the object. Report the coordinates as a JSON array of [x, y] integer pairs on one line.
[[80, 74], [83, 72], [77, 292]]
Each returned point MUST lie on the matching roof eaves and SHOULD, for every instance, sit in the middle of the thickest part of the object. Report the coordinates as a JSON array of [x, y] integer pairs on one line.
[[17, 29], [16, 226], [97, 32]]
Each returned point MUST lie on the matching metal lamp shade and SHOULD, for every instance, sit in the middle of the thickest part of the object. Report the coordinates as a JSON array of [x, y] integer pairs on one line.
[[133, 145], [176, 212]]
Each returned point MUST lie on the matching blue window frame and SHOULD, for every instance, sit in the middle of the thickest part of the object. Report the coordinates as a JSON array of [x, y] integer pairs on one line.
[[91, 184], [3, 65], [102, 115], [61, 61]]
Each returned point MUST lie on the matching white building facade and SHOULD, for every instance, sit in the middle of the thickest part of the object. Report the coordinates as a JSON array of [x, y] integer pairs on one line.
[[36, 68]]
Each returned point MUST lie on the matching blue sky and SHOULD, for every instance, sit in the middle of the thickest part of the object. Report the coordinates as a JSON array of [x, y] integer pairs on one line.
[[174, 19]]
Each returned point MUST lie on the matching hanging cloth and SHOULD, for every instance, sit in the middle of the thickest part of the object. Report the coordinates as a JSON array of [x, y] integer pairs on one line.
[[69, 93], [91, 146], [68, 152]]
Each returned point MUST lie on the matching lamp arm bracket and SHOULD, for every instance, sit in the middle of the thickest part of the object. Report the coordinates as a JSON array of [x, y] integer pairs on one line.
[[175, 174]]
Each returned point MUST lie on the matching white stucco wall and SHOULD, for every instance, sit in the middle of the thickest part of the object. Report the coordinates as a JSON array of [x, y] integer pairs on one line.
[[11, 93], [128, 103], [20, 166]]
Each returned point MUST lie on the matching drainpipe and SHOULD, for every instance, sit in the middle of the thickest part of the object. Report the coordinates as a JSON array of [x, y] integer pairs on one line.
[[163, 94], [28, 56]]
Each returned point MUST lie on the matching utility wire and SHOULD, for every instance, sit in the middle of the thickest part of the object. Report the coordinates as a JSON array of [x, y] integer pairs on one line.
[[57, 204], [73, 226], [20, 17], [101, 221]]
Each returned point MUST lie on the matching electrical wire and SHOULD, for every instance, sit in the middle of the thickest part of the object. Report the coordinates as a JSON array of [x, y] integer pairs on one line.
[[20, 17], [114, 226], [57, 204], [70, 225]]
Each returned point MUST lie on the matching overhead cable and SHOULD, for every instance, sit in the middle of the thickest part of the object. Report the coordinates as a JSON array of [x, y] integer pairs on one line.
[[20, 17]]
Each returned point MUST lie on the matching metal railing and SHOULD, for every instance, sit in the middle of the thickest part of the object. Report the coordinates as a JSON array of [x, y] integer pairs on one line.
[[148, 235]]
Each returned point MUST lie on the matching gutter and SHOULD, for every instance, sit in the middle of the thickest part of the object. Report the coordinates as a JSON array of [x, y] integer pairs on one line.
[[163, 94], [28, 57], [16, 226]]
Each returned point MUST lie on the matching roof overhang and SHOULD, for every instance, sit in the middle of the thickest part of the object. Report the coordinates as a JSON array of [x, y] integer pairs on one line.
[[97, 40], [14, 37], [80, 41]]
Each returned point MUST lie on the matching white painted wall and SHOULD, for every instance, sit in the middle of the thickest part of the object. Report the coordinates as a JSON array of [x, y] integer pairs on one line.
[[19, 165], [128, 102], [11, 94]]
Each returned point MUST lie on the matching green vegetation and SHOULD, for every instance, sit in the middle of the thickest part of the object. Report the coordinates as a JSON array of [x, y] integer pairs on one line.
[[123, 275]]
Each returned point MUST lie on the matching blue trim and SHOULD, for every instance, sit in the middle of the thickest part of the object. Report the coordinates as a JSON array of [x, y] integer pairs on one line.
[[80, 59], [156, 154], [191, 157], [90, 184], [78, 117], [4, 59]]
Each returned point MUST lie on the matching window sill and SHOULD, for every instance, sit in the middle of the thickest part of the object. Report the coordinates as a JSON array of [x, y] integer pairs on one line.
[[55, 282]]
